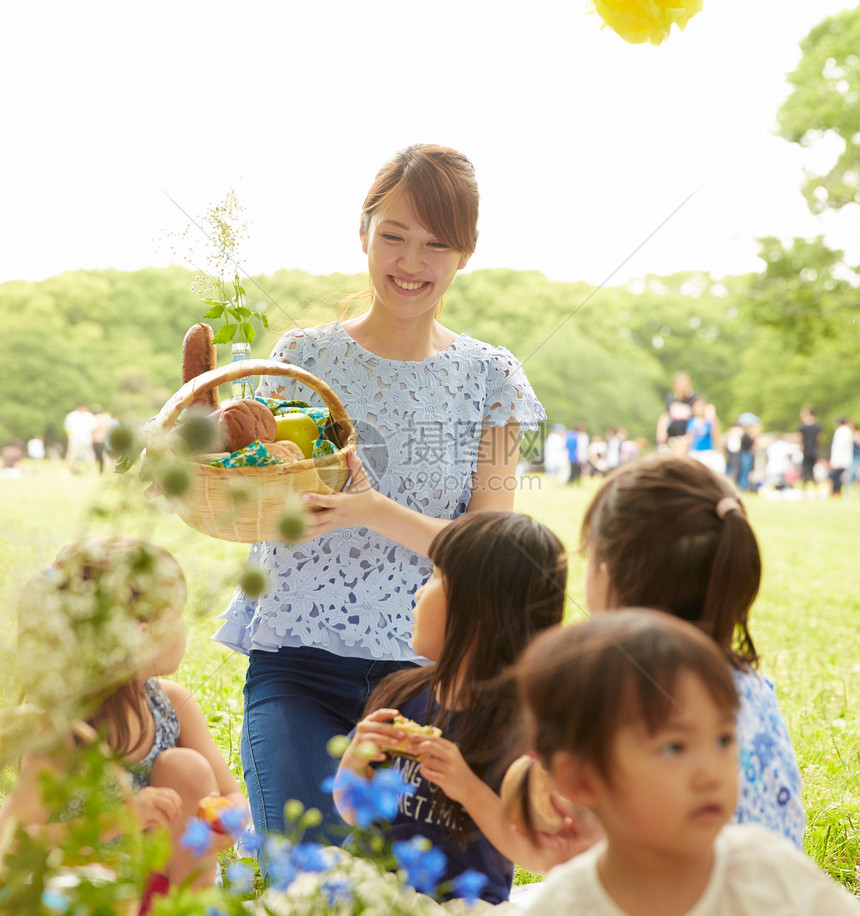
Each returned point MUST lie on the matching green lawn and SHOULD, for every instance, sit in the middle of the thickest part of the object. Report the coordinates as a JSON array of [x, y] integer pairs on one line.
[[806, 623]]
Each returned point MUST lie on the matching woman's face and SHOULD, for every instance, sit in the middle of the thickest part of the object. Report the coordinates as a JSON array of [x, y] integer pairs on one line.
[[410, 268]]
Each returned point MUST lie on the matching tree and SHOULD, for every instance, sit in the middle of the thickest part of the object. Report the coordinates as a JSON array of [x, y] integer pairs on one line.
[[806, 292], [826, 97]]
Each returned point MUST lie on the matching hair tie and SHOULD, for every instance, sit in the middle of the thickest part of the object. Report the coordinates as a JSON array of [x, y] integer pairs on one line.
[[725, 505]]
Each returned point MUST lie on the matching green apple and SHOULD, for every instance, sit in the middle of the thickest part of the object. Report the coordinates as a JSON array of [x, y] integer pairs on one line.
[[298, 428]]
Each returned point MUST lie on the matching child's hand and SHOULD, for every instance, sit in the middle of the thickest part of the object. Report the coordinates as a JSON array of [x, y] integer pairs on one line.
[[580, 831], [156, 806], [371, 734], [444, 766]]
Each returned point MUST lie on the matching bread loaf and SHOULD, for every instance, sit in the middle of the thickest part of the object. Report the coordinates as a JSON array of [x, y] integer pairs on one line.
[[199, 356], [239, 423]]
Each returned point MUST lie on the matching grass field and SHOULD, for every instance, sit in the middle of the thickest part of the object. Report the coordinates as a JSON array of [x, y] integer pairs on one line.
[[806, 623]]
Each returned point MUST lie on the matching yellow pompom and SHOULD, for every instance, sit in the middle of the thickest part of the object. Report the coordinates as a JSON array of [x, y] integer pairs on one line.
[[638, 21]]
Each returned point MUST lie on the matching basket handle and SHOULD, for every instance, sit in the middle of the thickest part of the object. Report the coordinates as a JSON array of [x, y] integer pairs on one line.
[[169, 413]]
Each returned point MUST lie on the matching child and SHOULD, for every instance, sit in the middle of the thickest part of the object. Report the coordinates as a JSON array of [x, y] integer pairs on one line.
[[633, 714], [135, 592], [668, 533], [498, 578]]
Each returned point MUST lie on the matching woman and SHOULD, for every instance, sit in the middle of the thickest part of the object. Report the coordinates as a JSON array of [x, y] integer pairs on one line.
[[438, 417]]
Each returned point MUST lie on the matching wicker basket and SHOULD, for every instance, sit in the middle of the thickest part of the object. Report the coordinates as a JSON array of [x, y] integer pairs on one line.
[[244, 504]]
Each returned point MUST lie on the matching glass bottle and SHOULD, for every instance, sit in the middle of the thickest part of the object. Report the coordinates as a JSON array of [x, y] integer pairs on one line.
[[242, 387]]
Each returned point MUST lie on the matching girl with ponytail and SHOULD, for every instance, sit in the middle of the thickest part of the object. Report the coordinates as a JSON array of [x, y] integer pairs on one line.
[[668, 533]]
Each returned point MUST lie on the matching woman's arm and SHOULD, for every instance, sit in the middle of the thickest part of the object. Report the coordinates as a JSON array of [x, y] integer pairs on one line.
[[493, 486]]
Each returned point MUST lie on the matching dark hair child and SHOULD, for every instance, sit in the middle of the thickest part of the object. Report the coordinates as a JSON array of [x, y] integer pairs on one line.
[[498, 579], [633, 715]]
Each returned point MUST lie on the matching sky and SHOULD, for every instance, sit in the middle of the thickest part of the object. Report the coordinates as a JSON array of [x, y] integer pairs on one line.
[[597, 160]]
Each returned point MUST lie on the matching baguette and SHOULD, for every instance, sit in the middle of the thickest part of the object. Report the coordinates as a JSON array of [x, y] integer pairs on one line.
[[198, 356]]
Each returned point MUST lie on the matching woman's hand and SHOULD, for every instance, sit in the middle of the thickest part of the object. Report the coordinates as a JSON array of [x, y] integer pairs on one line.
[[444, 766], [356, 505], [156, 806]]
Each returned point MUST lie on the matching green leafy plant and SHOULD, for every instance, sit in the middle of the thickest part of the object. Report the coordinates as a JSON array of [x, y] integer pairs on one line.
[[219, 285]]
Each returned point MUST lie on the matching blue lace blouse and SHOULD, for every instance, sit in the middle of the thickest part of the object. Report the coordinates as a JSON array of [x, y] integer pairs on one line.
[[418, 425]]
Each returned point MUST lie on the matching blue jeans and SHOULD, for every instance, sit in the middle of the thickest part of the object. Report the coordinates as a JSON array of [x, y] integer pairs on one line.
[[296, 699], [744, 472]]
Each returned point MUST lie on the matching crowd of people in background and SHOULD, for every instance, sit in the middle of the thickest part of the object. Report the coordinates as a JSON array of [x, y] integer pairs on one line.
[[796, 464], [780, 465], [86, 430]]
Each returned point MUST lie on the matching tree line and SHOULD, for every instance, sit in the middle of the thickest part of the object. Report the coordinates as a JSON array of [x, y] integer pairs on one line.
[[768, 342]]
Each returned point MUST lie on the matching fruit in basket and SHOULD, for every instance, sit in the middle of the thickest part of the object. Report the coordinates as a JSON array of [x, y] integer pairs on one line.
[[298, 428], [239, 423]]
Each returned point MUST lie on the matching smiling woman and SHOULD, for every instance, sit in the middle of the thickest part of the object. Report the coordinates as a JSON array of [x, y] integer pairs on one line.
[[438, 417]]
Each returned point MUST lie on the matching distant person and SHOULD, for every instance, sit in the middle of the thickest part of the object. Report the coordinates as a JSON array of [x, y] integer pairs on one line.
[[841, 454], [36, 448], [783, 455], [572, 443], [732, 441], [79, 425], [672, 423], [555, 453], [810, 433], [614, 440], [703, 436], [102, 422], [750, 426], [853, 472], [597, 456], [10, 455], [583, 444]]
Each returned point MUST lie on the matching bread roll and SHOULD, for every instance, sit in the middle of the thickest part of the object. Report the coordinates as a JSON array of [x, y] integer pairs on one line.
[[285, 452], [239, 423], [526, 800], [198, 356]]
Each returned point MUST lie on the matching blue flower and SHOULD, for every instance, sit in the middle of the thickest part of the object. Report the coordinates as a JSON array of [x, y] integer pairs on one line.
[[284, 862], [249, 843], [387, 788], [197, 836], [241, 877], [355, 795], [310, 857], [337, 891], [423, 862], [369, 800], [469, 885], [233, 820]]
